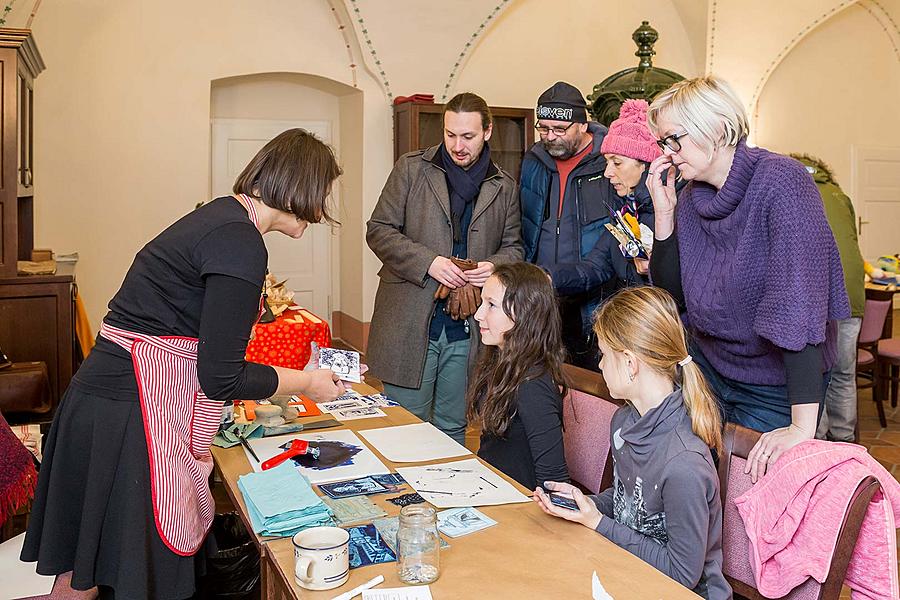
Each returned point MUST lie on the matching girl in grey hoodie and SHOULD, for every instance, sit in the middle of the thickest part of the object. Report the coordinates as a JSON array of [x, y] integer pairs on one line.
[[664, 504]]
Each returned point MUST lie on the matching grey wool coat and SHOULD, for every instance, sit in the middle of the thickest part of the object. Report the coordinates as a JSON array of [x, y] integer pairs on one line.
[[409, 228]]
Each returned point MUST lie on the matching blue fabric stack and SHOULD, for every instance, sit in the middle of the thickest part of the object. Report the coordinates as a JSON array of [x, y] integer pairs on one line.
[[281, 501]]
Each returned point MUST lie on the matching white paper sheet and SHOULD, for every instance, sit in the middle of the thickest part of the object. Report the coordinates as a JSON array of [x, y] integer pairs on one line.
[[461, 483], [412, 592], [597, 590], [413, 443], [18, 579], [360, 464]]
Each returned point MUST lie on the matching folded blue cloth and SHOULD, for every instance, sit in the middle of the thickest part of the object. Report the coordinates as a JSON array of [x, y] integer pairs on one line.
[[281, 501]]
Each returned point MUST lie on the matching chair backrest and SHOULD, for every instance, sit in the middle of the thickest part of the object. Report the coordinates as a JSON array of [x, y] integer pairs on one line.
[[873, 320], [736, 545], [587, 412]]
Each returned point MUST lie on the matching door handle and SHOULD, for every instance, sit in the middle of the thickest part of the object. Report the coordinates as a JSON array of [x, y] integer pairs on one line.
[[859, 225]]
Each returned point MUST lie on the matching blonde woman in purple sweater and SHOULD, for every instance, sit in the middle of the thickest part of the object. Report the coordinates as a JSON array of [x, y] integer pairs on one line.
[[747, 252]]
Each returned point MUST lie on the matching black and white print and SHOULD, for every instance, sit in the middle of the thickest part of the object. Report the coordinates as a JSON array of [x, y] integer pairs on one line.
[[344, 363]]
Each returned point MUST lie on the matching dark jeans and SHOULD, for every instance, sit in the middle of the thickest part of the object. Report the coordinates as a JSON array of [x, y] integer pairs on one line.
[[759, 407]]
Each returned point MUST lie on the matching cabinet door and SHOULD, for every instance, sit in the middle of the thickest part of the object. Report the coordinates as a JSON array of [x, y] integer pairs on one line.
[[418, 126], [25, 134], [36, 324], [431, 129], [509, 143]]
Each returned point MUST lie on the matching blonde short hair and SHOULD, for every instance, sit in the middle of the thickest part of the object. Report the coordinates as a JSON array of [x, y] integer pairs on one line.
[[708, 109]]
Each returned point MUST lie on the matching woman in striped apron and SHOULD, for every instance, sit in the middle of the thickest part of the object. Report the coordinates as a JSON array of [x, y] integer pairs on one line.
[[123, 506]]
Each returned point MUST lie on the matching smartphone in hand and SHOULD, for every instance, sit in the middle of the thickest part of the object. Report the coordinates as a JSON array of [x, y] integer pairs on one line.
[[563, 500]]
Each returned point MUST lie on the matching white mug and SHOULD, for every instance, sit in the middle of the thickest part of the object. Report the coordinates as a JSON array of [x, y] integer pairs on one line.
[[321, 557]]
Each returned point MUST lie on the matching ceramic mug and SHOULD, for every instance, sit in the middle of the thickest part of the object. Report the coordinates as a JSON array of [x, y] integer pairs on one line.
[[321, 557]]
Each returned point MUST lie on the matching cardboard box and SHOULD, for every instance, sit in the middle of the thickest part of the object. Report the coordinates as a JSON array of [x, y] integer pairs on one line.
[[41, 254]]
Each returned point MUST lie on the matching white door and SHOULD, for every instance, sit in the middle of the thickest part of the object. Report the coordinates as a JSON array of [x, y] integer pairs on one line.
[[876, 186], [304, 263]]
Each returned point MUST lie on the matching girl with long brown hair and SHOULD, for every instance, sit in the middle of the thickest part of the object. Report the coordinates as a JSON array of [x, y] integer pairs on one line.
[[516, 391], [664, 504]]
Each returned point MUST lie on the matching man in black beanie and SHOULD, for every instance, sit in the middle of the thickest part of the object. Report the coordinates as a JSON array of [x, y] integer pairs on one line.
[[563, 213]]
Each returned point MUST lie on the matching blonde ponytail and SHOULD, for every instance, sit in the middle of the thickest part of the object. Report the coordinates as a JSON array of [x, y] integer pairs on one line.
[[706, 420], [645, 321]]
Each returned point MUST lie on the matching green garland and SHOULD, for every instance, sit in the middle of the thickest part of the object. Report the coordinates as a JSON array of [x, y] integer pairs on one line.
[[6, 11]]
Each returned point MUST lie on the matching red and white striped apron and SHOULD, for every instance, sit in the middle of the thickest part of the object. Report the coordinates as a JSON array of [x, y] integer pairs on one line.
[[179, 425]]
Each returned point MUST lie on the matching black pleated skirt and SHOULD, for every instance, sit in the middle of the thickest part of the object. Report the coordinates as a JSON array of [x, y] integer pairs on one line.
[[93, 509]]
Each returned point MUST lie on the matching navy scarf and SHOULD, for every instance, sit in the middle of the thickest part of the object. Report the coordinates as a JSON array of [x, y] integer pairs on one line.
[[464, 185]]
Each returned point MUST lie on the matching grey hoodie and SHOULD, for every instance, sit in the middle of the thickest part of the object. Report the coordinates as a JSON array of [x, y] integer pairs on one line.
[[664, 505]]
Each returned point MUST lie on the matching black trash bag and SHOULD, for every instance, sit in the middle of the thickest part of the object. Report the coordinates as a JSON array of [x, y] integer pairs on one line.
[[232, 572]]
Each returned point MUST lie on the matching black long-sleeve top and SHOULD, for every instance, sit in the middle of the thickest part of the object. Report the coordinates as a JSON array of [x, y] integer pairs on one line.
[[531, 450], [200, 278]]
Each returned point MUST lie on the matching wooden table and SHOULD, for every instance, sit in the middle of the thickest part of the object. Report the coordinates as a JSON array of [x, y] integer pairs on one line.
[[526, 555]]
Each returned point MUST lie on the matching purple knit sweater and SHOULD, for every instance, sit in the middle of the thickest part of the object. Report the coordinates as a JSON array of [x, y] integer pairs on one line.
[[759, 266]]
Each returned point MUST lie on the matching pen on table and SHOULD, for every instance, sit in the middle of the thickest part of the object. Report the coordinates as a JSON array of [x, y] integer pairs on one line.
[[434, 492], [360, 589], [449, 470], [489, 481], [246, 445]]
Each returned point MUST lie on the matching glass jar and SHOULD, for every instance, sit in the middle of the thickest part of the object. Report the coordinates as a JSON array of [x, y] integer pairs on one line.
[[418, 545]]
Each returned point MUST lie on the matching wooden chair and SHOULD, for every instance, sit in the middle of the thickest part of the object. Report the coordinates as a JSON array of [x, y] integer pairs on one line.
[[889, 361], [587, 412], [868, 367], [735, 543]]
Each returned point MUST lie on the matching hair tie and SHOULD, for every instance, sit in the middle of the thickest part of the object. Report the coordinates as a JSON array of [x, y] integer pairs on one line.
[[687, 359]]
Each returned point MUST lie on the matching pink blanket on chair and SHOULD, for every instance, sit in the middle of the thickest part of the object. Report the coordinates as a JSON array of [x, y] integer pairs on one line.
[[793, 516]]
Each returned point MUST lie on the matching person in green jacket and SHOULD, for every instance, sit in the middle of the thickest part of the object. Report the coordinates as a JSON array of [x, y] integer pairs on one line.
[[838, 421]]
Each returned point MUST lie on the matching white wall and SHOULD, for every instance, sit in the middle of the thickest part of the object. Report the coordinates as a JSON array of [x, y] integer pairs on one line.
[[277, 96], [530, 47], [832, 92], [122, 115]]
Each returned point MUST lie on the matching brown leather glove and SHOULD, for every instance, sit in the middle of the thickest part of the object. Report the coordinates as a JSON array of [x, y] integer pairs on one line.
[[464, 264], [441, 292], [463, 301], [453, 303]]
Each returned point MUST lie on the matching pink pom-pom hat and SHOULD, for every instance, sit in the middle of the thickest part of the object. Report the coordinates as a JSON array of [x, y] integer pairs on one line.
[[629, 135]]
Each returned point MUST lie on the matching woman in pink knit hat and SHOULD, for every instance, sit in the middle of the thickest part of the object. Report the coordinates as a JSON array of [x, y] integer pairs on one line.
[[619, 259]]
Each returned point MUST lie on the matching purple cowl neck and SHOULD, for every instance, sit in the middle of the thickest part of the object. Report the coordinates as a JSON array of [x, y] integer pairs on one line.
[[759, 266]]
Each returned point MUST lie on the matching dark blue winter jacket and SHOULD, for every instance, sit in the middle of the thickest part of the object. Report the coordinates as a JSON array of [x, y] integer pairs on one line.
[[547, 237], [605, 263]]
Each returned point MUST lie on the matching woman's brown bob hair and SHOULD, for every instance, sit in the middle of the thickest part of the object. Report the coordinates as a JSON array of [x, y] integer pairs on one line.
[[292, 173]]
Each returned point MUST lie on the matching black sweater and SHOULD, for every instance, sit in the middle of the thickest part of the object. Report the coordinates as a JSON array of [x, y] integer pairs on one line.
[[200, 278], [531, 450]]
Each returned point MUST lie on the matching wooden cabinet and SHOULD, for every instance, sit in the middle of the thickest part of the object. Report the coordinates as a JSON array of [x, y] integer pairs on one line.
[[36, 311], [418, 126], [37, 319], [20, 64]]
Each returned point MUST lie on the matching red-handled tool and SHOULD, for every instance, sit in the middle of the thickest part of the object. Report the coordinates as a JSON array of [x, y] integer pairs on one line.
[[298, 447]]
